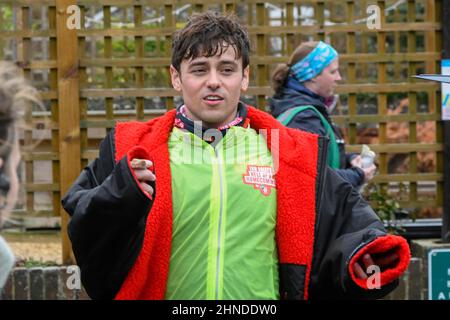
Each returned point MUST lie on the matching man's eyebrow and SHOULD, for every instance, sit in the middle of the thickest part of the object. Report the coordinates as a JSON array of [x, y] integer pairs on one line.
[[203, 63], [232, 62], [197, 63]]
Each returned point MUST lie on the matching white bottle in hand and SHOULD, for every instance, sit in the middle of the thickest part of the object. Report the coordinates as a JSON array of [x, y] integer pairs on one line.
[[367, 157]]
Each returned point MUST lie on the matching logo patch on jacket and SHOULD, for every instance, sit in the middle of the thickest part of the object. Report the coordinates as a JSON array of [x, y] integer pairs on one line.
[[261, 177]]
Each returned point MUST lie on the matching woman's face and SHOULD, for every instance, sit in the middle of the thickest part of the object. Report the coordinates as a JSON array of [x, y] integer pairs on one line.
[[326, 82]]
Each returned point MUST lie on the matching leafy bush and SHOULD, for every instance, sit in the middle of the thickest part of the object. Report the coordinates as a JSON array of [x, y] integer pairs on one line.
[[32, 263], [386, 206]]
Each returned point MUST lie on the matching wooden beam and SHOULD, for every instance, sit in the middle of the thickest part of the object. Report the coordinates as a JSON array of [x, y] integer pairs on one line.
[[69, 115], [446, 124]]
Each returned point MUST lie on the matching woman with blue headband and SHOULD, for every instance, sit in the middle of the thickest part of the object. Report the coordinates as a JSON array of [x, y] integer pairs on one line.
[[304, 97]]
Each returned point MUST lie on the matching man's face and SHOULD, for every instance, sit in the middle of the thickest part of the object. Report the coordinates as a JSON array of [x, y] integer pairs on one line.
[[325, 83], [211, 87]]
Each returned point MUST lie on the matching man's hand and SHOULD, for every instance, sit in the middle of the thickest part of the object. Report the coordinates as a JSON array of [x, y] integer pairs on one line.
[[143, 174], [382, 261]]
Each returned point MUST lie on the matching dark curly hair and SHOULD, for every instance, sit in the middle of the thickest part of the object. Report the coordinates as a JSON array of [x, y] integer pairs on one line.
[[210, 33]]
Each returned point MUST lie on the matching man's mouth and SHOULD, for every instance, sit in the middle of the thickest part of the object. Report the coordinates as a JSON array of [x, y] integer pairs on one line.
[[212, 99]]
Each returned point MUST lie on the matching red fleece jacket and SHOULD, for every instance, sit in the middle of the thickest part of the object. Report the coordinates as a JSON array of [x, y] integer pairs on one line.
[[296, 173]]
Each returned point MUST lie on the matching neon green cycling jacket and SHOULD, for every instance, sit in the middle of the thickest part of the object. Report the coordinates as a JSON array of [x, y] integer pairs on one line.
[[210, 222]]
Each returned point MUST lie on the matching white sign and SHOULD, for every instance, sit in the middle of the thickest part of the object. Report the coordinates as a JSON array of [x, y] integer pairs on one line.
[[445, 65]]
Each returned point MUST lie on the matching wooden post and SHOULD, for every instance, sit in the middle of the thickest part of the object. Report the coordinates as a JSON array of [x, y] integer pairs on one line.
[[351, 74], [412, 103], [69, 113], [261, 51], [382, 97], [169, 21], [446, 124]]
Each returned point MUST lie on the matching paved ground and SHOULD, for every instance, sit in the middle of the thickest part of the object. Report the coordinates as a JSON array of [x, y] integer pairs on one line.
[[35, 246]]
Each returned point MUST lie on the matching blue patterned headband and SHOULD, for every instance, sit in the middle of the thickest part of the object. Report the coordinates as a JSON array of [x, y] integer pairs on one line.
[[313, 64]]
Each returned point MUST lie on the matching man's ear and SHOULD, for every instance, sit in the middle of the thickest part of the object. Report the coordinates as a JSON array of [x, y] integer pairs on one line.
[[175, 77], [245, 78]]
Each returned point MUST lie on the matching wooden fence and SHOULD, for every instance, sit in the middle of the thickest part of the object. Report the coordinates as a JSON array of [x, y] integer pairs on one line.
[[116, 68]]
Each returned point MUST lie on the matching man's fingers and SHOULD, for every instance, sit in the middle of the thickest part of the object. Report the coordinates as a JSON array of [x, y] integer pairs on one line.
[[359, 272], [141, 163], [386, 259], [144, 175], [147, 188], [367, 260]]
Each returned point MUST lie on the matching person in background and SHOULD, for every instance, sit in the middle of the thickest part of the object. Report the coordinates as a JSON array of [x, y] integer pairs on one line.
[[304, 98], [15, 94]]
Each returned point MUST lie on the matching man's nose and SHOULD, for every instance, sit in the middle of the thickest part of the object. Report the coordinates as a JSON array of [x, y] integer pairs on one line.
[[338, 77], [213, 80]]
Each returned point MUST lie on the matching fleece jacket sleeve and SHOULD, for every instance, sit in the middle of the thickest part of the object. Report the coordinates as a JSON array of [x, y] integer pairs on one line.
[[349, 228], [108, 212]]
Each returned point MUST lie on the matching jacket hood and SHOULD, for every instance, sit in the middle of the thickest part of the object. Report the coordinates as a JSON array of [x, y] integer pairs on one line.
[[294, 94]]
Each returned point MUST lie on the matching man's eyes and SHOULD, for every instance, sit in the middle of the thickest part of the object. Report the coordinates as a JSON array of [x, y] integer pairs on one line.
[[198, 70], [228, 70], [225, 70]]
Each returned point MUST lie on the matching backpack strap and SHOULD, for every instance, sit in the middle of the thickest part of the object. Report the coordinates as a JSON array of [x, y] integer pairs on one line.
[[333, 150]]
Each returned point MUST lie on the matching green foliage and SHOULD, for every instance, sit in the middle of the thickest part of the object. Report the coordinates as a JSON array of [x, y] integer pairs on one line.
[[7, 21], [32, 263], [123, 46], [385, 206]]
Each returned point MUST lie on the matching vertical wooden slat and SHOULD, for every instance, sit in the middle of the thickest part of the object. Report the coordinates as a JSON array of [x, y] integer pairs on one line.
[[364, 46], [2, 24], [69, 115], [107, 53], [430, 36], [445, 233], [290, 23], [320, 16], [84, 142], [397, 65], [126, 70], [198, 7], [139, 53], [23, 51], [250, 14], [351, 72], [382, 97], [412, 102], [436, 106], [262, 71], [168, 22], [229, 7], [53, 83]]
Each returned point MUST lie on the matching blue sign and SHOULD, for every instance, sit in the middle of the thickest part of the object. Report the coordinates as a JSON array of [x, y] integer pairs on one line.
[[445, 89], [439, 274]]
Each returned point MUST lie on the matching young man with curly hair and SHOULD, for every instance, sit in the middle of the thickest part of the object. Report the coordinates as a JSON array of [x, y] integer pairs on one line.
[[218, 200]]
